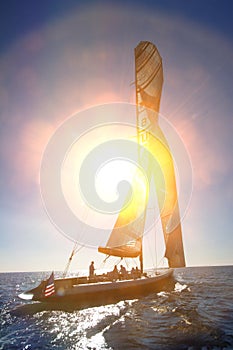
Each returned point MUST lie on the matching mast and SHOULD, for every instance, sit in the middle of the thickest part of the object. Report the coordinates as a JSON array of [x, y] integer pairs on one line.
[[138, 141], [141, 260]]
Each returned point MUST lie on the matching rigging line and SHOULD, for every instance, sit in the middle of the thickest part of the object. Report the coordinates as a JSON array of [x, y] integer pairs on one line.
[[75, 249], [162, 259], [127, 263], [78, 249], [102, 265], [156, 257], [119, 261], [156, 246], [68, 263], [70, 259], [150, 251], [153, 253]]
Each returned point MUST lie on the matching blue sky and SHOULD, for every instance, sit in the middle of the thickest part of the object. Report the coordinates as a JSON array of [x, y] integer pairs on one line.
[[47, 74]]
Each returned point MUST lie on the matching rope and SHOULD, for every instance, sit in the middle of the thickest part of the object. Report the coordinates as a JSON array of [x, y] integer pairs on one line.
[[69, 262], [75, 249]]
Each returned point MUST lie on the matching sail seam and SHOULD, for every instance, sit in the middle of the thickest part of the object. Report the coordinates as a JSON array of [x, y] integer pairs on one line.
[[146, 83], [146, 60]]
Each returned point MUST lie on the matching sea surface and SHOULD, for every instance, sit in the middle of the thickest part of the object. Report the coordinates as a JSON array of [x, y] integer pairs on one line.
[[197, 313]]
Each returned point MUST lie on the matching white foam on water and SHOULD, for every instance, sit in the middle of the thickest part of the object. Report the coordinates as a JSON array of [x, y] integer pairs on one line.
[[25, 296], [179, 287]]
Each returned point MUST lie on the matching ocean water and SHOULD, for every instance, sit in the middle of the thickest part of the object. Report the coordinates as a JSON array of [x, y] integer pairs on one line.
[[196, 314]]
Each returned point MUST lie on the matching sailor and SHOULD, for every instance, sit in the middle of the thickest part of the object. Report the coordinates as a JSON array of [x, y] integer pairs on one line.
[[91, 270], [123, 272], [133, 273], [137, 273], [115, 273]]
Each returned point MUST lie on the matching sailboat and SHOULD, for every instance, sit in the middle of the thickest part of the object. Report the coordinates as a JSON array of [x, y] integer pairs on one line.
[[126, 238]]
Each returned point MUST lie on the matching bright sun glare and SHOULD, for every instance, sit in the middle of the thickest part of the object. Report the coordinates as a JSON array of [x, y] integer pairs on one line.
[[109, 176]]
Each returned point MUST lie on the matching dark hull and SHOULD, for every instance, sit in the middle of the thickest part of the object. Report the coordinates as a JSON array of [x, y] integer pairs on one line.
[[102, 293]]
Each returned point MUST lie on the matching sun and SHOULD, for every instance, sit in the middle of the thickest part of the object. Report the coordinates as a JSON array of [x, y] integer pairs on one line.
[[112, 177]]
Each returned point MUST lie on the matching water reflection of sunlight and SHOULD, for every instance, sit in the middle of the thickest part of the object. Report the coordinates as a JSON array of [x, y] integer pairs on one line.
[[179, 287], [161, 309], [84, 328]]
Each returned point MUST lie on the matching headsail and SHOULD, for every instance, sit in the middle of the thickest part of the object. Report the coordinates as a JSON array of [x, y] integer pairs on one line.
[[126, 237]]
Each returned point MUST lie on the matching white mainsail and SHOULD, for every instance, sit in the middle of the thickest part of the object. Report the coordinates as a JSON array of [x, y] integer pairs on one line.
[[126, 237]]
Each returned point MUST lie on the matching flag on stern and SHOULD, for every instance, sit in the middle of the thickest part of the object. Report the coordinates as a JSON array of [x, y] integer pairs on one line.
[[49, 287]]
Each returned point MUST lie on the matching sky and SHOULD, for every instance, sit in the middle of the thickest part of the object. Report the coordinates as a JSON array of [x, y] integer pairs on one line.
[[59, 58]]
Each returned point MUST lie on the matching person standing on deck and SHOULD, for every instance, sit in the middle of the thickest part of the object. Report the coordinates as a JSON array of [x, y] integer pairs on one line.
[[115, 273], [123, 272], [91, 270]]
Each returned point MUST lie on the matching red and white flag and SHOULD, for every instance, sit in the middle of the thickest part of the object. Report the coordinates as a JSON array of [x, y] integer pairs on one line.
[[50, 287]]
